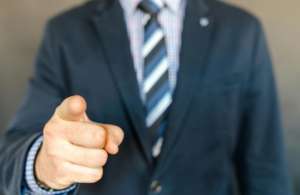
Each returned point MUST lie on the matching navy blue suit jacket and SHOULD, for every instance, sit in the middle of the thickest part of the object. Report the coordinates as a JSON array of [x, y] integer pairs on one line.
[[224, 111]]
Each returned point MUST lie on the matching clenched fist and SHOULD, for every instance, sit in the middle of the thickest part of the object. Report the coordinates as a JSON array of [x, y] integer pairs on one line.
[[74, 148]]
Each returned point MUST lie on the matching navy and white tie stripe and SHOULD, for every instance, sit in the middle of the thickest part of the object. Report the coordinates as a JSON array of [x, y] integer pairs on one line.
[[156, 75]]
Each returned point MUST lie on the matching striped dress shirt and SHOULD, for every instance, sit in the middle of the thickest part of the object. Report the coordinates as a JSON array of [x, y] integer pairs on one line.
[[171, 20]]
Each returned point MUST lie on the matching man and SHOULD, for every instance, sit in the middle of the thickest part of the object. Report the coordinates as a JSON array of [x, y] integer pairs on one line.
[[185, 85]]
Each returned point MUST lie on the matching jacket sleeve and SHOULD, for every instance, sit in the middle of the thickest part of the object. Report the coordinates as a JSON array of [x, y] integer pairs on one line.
[[260, 157], [45, 92]]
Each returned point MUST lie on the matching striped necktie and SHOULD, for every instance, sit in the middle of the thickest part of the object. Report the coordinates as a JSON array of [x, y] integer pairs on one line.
[[156, 77]]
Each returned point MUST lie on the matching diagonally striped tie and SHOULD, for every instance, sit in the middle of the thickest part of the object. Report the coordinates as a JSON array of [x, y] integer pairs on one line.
[[156, 78]]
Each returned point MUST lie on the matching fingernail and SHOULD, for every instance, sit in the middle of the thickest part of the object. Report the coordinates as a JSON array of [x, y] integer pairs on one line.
[[116, 141]]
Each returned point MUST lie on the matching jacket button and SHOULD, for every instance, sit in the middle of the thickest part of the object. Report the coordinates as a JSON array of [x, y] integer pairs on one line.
[[155, 187]]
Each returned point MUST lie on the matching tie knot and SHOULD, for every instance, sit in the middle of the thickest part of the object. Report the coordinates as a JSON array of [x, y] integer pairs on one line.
[[151, 7]]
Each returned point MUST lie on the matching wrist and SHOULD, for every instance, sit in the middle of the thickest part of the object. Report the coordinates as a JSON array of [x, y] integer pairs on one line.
[[44, 186], [37, 176], [36, 171]]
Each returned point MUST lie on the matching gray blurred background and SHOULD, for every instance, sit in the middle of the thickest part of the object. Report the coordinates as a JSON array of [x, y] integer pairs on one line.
[[21, 29]]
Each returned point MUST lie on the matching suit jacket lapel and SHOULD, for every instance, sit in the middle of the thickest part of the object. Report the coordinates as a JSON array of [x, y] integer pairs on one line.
[[110, 25], [195, 43]]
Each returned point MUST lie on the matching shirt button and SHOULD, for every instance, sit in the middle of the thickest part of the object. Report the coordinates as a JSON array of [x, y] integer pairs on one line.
[[155, 187], [204, 22]]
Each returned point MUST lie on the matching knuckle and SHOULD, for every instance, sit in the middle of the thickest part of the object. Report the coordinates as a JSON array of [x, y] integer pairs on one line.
[[49, 128], [53, 152], [58, 177], [99, 137], [118, 131], [101, 158], [57, 165], [97, 174], [60, 172]]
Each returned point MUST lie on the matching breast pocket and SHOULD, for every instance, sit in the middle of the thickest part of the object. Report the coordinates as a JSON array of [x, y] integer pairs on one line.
[[223, 94], [225, 81]]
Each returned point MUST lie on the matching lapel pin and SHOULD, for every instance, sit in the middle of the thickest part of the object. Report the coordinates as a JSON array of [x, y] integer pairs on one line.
[[204, 22]]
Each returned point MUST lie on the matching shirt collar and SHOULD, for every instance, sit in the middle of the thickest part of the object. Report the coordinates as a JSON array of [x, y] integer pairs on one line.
[[130, 6], [173, 5]]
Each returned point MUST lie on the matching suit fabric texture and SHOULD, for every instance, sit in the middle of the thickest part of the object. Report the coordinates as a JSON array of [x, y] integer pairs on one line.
[[224, 108]]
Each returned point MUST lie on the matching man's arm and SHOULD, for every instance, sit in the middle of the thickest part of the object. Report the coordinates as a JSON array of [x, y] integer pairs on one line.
[[260, 157], [44, 93], [71, 151]]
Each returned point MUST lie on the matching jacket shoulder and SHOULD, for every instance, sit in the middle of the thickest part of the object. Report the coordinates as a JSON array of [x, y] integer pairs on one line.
[[233, 15], [74, 15]]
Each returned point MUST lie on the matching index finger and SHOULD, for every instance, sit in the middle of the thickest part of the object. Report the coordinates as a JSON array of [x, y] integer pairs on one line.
[[85, 134], [72, 109]]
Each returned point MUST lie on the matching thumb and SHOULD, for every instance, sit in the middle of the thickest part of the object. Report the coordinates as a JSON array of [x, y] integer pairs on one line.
[[72, 109]]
